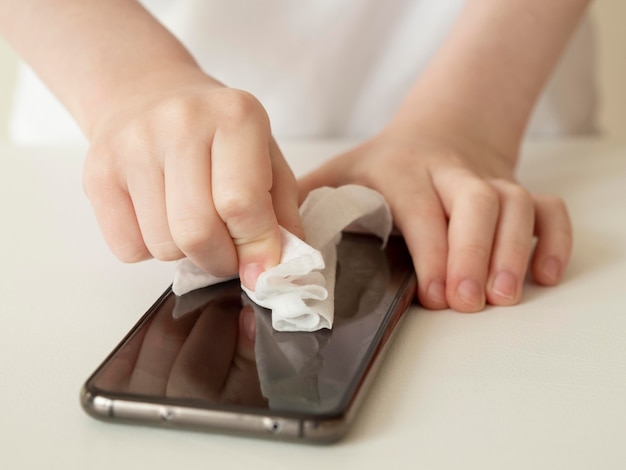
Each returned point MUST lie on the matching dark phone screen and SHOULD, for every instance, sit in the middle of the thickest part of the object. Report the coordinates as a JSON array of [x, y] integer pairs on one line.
[[214, 348]]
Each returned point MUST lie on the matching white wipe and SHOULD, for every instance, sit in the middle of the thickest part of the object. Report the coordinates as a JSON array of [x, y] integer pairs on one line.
[[300, 289]]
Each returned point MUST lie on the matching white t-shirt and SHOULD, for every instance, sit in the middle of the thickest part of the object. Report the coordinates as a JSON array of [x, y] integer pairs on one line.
[[321, 68]]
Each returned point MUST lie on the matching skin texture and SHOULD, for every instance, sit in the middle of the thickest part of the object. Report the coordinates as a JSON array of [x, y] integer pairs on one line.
[[169, 146]]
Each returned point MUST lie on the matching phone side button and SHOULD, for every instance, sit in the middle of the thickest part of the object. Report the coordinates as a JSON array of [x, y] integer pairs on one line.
[[166, 414], [282, 426], [272, 425]]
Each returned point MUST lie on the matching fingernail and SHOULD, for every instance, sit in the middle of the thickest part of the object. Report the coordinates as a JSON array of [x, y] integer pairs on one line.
[[505, 285], [248, 323], [250, 274], [552, 269], [470, 292], [437, 291]]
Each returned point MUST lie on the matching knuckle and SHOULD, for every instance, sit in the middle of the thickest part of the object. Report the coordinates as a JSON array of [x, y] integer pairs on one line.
[[233, 205], [136, 135], [427, 207], [475, 251], [484, 194], [555, 202], [563, 233], [98, 173], [248, 216], [516, 192], [175, 116], [205, 245], [191, 235], [552, 213], [516, 252], [165, 250], [175, 110], [236, 106], [130, 252]]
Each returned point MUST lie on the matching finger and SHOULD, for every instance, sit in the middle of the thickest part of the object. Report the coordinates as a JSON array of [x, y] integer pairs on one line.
[[474, 208], [247, 334], [147, 191], [119, 371], [114, 211], [242, 383], [553, 229], [242, 183], [204, 360], [512, 244], [284, 193], [325, 175], [333, 173], [195, 225], [161, 345], [418, 213]]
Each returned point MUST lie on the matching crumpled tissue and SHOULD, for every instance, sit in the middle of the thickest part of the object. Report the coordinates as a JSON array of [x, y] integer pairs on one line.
[[300, 289]]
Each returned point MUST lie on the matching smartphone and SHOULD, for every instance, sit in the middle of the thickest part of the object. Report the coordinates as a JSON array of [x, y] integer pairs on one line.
[[210, 360]]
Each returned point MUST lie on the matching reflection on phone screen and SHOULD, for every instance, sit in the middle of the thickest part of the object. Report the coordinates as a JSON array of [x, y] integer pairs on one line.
[[213, 347]]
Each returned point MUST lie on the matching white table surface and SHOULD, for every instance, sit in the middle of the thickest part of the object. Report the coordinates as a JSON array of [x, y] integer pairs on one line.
[[538, 385]]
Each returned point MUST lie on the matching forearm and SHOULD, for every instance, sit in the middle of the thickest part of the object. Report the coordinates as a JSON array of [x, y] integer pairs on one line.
[[490, 71], [93, 54]]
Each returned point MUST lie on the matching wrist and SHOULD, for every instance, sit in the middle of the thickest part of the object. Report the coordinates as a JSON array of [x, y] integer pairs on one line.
[[441, 114], [487, 75]]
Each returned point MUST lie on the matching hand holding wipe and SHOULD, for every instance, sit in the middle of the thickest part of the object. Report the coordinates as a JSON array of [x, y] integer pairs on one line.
[[300, 289]]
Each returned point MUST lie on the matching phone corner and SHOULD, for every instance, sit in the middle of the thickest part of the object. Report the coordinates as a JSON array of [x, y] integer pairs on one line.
[[94, 404], [323, 432]]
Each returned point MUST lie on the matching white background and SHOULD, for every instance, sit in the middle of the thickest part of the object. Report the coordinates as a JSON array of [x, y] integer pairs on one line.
[[608, 14]]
